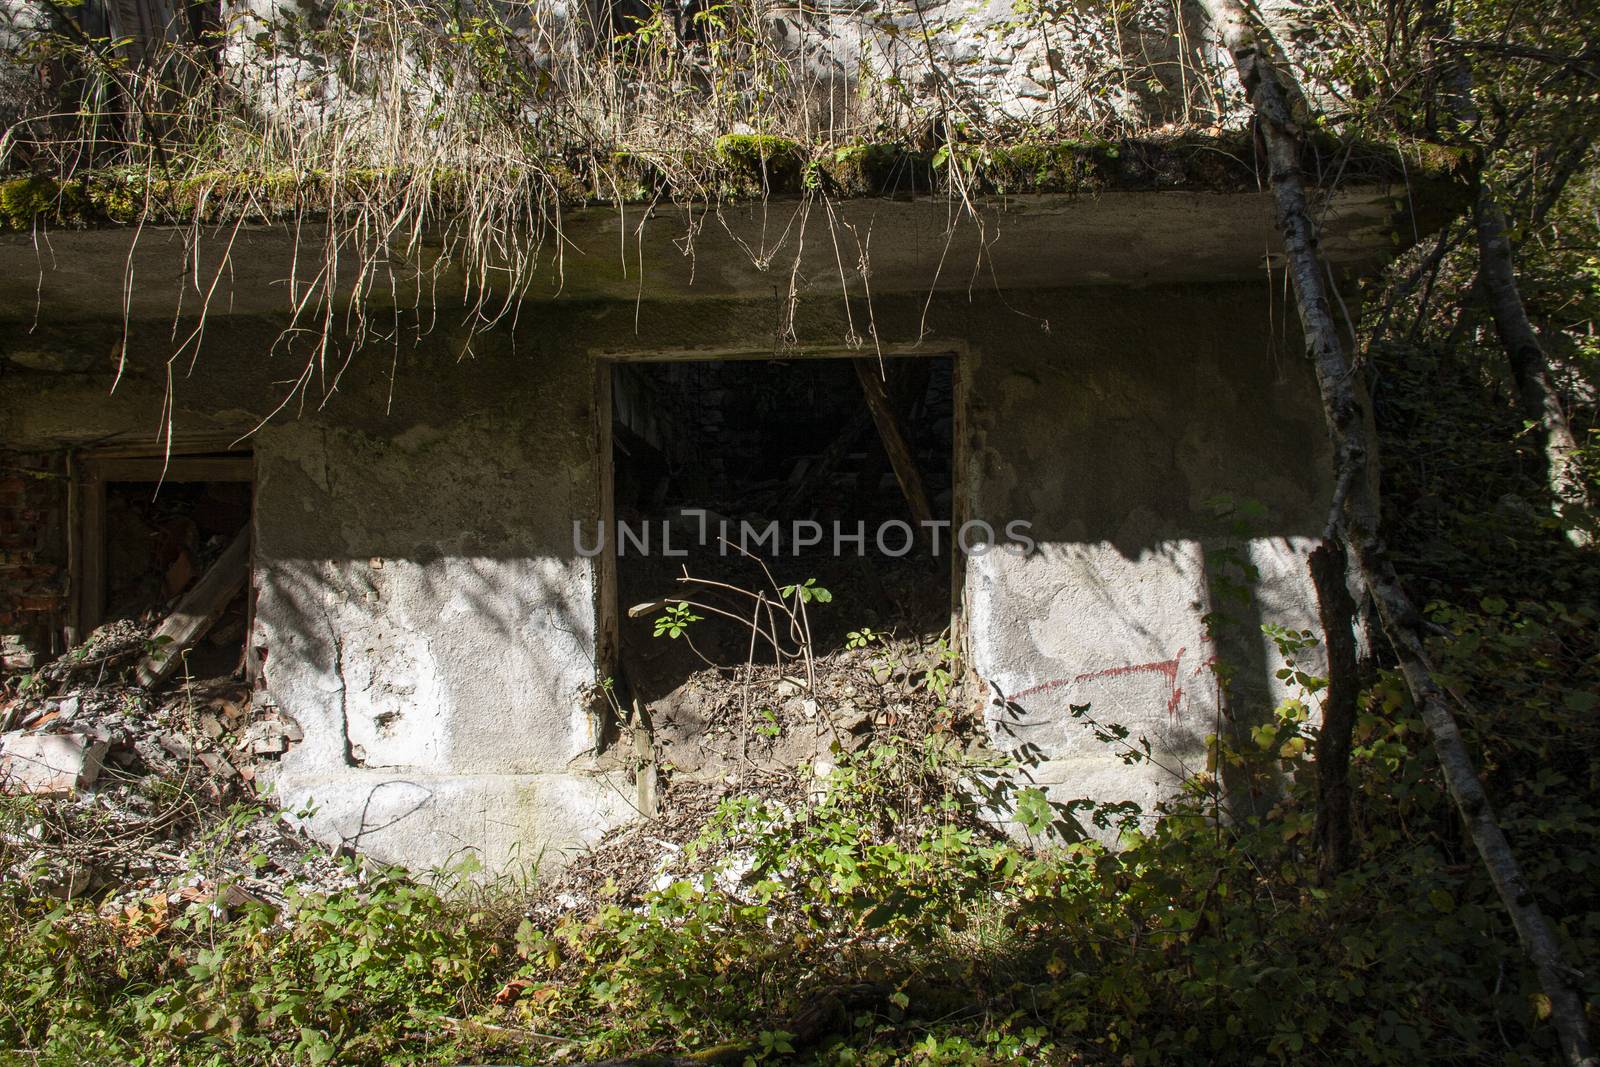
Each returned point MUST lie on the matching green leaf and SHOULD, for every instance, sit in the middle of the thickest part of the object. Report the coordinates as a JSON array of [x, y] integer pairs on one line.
[[1581, 700]]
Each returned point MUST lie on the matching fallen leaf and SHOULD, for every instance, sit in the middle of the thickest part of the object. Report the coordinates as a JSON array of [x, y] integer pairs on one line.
[[512, 990]]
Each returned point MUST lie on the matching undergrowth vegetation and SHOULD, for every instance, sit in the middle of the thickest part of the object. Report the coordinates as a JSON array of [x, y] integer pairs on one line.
[[886, 921]]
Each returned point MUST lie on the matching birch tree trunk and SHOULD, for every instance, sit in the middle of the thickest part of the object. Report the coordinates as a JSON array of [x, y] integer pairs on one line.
[[1540, 401], [1336, 611], [1356, 514], [1496, 284]]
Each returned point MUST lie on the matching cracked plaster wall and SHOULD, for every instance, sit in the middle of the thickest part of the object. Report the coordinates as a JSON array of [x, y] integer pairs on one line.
[[425, 620]]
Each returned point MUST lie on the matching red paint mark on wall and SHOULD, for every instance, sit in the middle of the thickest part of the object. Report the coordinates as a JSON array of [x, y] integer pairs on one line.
[[1167, 668]]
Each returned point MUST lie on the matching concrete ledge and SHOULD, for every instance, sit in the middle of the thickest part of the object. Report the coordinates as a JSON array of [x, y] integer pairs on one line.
[[517, 824]]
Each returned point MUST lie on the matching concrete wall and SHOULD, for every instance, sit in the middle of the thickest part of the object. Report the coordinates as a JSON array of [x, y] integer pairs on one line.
[[427, 622], [441, 557], [1120, 443]]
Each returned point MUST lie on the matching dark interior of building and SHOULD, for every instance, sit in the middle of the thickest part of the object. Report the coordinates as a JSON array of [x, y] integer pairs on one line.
[[754, 442], [160, 540]]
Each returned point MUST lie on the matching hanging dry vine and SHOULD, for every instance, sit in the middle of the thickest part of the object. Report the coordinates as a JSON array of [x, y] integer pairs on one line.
[[421, 155]]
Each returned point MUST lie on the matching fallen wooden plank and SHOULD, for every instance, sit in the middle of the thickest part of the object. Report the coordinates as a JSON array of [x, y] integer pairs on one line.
[[827, 462], [197, 611], [894, 441]]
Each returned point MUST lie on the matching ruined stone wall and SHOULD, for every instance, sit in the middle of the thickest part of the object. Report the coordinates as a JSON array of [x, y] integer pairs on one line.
[[985, 64], [981, 63]]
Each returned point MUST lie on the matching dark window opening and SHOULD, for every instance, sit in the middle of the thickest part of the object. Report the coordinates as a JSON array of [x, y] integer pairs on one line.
[[150, 529]]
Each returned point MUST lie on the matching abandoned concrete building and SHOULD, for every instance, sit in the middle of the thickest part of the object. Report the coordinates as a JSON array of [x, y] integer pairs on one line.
[[419, 604], [1099, 393]]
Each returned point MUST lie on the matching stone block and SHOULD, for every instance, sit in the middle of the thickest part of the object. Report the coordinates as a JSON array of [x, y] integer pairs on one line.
[[49, 764]]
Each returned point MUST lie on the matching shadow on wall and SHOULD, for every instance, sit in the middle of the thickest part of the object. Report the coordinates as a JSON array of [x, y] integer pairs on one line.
[[422, 656], [1109, 688], [424, 667]]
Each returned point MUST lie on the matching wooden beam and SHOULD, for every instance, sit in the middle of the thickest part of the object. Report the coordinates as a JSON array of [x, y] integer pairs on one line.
[[142, 446], [828, 461], [198, 610], [178, 469], [608, 627], [91, 578], [894, 441]]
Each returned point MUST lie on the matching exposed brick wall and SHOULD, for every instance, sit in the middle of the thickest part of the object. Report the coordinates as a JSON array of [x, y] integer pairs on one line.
[[33, 554]]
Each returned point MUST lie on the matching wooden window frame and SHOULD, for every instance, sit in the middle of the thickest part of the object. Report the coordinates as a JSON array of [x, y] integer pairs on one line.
[[91, 471]]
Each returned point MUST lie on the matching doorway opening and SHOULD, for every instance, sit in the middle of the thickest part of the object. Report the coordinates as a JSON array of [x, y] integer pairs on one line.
[[755, 475]]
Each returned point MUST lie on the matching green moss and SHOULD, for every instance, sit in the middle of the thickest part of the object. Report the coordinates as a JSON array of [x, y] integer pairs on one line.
[[878, 169], [772, 164], [632, 177], [1444, 161], [737, 167], [24, 199], [1060, 167]]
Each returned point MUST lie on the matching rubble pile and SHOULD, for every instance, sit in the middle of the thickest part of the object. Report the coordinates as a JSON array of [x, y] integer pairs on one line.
[[649, 853], [721, 724], [144, 798], [125, 795], [758, 730]]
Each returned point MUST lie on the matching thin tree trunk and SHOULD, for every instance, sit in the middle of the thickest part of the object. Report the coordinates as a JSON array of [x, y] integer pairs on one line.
[[1356, 513], [1496, 284], [1337, 611], [1566, 168], [1536, 392]]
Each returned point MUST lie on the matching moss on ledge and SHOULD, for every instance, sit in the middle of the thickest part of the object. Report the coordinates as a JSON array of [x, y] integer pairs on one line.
[[740, 167]]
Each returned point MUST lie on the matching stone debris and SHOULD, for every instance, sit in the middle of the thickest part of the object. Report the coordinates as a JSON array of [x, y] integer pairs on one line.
[[759, 732], [15, 655], [151, 806], [49, 765]]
